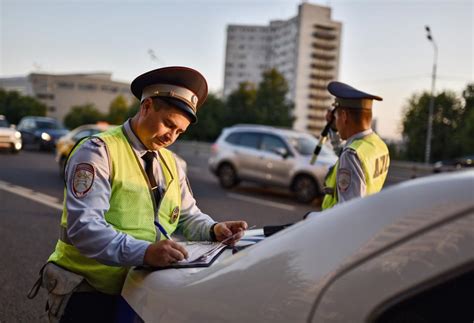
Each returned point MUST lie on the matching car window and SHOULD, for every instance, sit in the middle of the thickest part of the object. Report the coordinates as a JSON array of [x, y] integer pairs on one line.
[[305, 145], [250, 140], [270, 143], [4, 123], [47, 125], [233, 138], [81, 134]]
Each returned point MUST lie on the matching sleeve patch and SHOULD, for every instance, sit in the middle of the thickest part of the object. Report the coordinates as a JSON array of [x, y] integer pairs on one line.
[[343, 179], [83, 179]]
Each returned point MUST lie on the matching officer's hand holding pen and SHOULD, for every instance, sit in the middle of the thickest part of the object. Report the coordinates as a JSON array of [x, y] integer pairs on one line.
[[164, 252]]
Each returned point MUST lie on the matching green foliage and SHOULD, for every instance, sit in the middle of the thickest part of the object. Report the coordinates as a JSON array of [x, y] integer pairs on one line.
[[271, 106], [211, 119], [118, 110], [265, 104], [241, 105], [452, 125], [15, 106], [83, 114], [133, 109]]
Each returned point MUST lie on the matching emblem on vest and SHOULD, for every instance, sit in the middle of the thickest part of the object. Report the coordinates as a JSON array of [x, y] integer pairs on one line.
[[381, 166], [174, 215]]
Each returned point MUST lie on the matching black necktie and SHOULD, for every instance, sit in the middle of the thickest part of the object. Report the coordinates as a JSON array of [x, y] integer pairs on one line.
[[148, 158]]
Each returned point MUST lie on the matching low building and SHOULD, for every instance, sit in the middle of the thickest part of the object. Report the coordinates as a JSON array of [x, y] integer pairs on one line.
[[60, 92]]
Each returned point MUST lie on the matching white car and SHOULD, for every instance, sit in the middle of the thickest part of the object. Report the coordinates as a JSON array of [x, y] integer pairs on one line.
[[405, 254], [10, 138]]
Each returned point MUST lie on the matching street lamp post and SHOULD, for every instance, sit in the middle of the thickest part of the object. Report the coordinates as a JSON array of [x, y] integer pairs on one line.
[[429, 131]]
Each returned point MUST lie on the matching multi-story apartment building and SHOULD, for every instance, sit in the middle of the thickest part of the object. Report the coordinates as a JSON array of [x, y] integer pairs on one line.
[[60, 92], [305, 49]]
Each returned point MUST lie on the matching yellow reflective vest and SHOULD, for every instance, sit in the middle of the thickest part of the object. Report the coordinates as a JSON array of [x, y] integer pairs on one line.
[[374, 158], [132, 211]]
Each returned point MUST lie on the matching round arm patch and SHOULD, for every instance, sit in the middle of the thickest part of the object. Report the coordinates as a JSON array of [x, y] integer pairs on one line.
[[83, 179], [343, 179]]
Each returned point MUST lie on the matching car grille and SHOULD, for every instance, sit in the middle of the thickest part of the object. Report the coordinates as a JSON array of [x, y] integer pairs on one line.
[[5, 138]]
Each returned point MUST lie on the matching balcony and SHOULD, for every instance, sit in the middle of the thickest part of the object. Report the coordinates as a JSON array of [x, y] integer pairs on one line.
[[323, 54], [317, 75], [322, 66], [325, 34]]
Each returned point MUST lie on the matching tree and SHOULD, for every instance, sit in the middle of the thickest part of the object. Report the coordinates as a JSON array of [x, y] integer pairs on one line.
[[241, 105], [133, 109], [466, 134], [271, 104], [83, 114], [15, 106], [118, 110], [211, 118], [448, 116]]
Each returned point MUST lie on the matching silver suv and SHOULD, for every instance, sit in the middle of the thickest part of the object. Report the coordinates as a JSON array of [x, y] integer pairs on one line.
[[270, 156]]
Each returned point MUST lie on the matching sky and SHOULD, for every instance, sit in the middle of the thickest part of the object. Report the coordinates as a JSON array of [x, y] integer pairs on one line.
[[384, 47]]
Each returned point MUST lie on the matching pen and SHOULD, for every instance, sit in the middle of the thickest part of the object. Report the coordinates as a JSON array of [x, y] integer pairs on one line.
[[235, 234], [162, 230]]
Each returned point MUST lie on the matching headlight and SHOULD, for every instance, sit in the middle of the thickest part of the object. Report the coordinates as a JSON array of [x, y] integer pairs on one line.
[[45, 136], [17, 134]]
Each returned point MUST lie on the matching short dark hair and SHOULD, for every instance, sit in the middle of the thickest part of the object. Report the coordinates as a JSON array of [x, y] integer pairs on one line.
[[359, 116]]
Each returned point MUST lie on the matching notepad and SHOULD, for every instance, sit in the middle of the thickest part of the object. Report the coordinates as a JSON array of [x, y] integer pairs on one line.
[[200, 254]]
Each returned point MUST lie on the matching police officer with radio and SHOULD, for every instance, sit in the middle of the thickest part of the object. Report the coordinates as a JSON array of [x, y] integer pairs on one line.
[[364, 159], [121, 185]]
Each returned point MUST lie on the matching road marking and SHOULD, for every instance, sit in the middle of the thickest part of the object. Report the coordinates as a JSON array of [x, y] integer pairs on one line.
[[31, 195], [260, 201]]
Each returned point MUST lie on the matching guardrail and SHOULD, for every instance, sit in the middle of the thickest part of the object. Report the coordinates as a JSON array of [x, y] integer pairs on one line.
[[399, 171]]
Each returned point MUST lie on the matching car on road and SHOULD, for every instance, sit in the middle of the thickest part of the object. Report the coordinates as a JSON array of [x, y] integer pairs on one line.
[[67, 142], [40, 133], [453, 164], [10, 138], [270, 156], [402, 255]]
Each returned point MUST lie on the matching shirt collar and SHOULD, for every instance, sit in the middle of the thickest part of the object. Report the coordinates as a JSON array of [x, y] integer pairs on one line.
[[135, 142], [358, 135]]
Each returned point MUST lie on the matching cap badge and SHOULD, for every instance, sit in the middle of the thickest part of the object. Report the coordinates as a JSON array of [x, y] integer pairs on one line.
[[194, 100]]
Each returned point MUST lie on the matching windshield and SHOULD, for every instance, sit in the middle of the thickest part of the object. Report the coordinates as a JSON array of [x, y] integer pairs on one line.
[[48, 125], [305, 145], [4, 123]]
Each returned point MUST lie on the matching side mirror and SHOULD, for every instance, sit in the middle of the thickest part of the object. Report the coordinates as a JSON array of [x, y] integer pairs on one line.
[[283, 152], [13, 126]]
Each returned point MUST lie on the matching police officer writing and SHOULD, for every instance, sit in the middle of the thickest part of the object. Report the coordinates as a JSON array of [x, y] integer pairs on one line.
[[122, 181], [364, 160]]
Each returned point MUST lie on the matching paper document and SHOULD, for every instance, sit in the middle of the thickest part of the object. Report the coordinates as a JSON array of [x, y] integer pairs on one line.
[[200, 252]]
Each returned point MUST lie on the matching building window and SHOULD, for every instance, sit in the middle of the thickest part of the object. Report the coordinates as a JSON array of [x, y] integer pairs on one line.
[[45, 96], [65, 85], [109, 88], [88, 87], [52, 109]]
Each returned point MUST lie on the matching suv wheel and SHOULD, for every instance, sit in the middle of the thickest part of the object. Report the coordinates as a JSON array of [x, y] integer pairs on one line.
[[305, 188], [227, 176]]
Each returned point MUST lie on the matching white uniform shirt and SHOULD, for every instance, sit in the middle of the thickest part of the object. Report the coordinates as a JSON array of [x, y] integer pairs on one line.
[[87, 228], [350, 175]]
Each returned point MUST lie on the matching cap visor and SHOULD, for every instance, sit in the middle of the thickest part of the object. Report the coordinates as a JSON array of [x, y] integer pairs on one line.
[[182, 106]]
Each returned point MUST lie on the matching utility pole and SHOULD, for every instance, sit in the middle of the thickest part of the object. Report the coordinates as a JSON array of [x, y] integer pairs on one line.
[[429, 131]]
